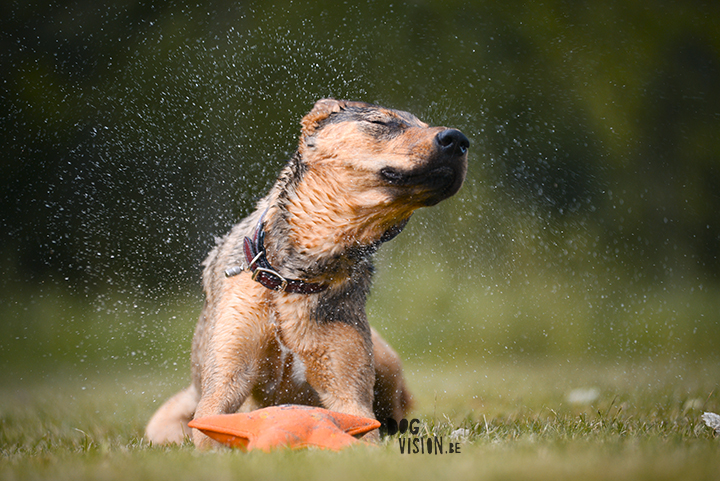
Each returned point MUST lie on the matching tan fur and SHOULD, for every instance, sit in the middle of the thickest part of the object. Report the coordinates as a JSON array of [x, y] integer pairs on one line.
[[358, 174]]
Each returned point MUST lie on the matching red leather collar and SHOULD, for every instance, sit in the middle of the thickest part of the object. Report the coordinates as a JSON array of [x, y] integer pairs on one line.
[[263, 272]]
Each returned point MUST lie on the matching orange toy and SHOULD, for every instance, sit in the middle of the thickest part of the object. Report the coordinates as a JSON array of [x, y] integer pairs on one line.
[[289, 425]]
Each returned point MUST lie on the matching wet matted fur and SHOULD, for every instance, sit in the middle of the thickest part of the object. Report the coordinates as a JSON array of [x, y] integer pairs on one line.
[[359, 172]]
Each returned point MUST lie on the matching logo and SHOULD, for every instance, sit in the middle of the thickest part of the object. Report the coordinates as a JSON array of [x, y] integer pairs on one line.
[[413, 443]]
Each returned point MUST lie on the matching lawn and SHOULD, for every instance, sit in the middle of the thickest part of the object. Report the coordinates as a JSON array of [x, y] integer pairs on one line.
[[511, 420], [79, 380]]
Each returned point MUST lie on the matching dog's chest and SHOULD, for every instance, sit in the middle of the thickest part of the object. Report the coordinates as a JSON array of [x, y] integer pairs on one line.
[[282, 378]]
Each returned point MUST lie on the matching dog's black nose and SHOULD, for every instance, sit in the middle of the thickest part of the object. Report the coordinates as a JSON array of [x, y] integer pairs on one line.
[[453, 142]]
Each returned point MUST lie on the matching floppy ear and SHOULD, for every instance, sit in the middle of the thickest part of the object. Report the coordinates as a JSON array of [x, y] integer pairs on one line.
[[322, 110]]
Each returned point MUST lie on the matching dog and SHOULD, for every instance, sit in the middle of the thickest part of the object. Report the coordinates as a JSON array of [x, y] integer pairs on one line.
[[284, 314]]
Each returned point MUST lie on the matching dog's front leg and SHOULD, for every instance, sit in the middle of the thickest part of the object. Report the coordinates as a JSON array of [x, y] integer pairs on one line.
[[338, 359], [231, 366]]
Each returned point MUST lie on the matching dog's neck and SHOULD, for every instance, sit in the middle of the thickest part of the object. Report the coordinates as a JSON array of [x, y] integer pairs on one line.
[[263, 272], [336, 264], [314, 239]]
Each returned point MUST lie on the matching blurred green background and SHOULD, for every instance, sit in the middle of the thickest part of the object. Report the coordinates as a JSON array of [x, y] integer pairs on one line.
[[588, 229]]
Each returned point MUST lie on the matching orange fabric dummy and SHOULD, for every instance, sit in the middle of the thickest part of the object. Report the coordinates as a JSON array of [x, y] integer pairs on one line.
[[289, 425]]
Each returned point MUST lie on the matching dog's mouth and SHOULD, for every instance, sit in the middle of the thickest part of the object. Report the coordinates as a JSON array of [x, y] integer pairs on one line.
[[440, 177], [435, 179], [437, 183]]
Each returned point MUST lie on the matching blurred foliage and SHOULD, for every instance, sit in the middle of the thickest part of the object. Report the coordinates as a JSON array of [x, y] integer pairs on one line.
[[134, 132]]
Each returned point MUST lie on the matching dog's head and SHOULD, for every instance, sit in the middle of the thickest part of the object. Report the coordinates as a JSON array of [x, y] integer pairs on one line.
[[367, 168]]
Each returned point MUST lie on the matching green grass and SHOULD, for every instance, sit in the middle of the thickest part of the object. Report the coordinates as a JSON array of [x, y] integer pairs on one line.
[[643, 422], [80, 377]]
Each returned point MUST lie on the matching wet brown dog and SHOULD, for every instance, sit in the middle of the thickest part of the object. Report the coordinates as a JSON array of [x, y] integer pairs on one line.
[[284, 316]]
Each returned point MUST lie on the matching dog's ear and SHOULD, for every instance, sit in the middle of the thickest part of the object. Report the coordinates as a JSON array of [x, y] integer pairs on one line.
[[320, 111]]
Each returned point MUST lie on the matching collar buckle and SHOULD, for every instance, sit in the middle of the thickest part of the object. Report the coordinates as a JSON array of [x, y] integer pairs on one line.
[[275, 278]]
